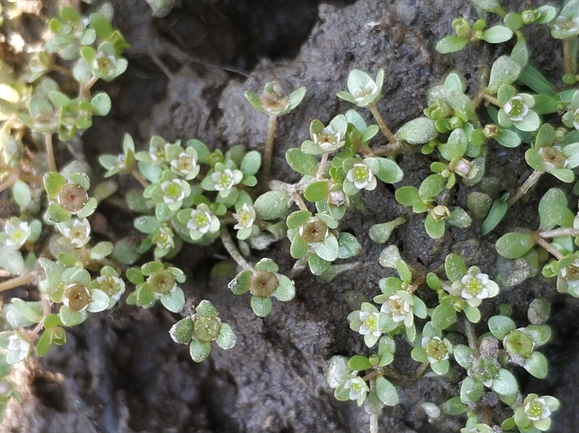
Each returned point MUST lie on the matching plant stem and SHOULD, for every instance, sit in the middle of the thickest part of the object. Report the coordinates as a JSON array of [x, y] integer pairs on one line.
[[322, 166], [565, 231], [140, 178], [525, 187], [546, 245], [23, 280], [471, 336], [50, 152], [568, 63], [84, 90], [297, 198], [268, 150], [298, 267], [232, 249], [387, 133], [61, 70], [373, 415], [491, 99]]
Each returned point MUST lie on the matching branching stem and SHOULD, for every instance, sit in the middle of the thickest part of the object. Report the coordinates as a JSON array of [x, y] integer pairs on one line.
[[297, 198], [546, 245], [84, 90], [373, 415], [140, 178], [23, 280], [385, 130], [232, 249], [491, 99], [322, 166], [525, 187], [563, 231]]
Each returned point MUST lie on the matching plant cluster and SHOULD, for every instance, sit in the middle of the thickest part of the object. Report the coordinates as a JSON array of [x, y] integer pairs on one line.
[[190, 194]]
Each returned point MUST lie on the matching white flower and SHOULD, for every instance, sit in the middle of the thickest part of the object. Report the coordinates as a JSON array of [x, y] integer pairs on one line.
[[337, 198], [185, 165], [200, 221], [369, 324], [435, 349], [398, 307], [359, 93], [475, 286], [576, 119], [158, 153], [328, 139], [537, 409], [18, 234], [516, 109], [114, 287], [358, 388], [566, 27], [245, 217], [224, 180], [77, 231], [163, 238], [361, 176], [19, 346], [173, 191]]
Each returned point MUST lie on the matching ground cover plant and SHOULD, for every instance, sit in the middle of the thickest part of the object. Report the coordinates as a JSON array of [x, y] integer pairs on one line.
[[190, 194]]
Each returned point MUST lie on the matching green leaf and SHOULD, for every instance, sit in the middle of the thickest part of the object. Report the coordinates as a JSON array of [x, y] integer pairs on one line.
[[451, 44], [182, 331], [434, 228], [408, 195], [386, 392], [389, 171], [380, 233], [507, 138], [174, 301], [53, 183], [418, 131], [454, 267], [101, 103], [431, 186], [101, 250], [554, 211], [31, 311], [226, 338], [419, 355], [71, 318], [302, 163], [359, 363], [503, 71], [285, 290], [492, 6], [404, 271], [272, 205], [506, 386], [534, 159], [500, 326], [514, 245], [12, 261], [348, 246], [537, 365], [206, 308], [21, 193], [496, 214], [99, 301], [453, 406], [318, 265], [533, 79], [497, 34], [199, 350], [296, 219], [443, 316], [471, 391], [316, 191], [251, 162], [261, 306]]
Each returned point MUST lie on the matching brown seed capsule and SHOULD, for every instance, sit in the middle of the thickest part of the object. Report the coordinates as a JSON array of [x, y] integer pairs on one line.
[[263, 283], [72, 197], [314, 231], [76, 297]]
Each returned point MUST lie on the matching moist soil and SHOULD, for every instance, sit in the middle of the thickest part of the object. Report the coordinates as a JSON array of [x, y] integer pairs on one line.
[[120, 372]]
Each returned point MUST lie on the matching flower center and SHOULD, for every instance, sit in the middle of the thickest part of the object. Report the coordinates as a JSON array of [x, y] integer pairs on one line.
[[78, 297], [314, 231], [435, 349], [516, 109], [473, 286], [72, 197], [206, 328], [162, 281], [263, 283], [534, 410]]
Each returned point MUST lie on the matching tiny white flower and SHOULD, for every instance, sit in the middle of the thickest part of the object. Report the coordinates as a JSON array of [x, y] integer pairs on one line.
[[516, 109], [537, 409], [361, 176], [173, 191], [337, 198], [184, 165], [475, 286], [164, 238], [17, 234], [358, 388], [435, 349], [566, 26], [114, 287], [369, 324], [224, 180], [328, 139], [359, 93], [200, 221], [245, 217], [77, 231], [396, 306]]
